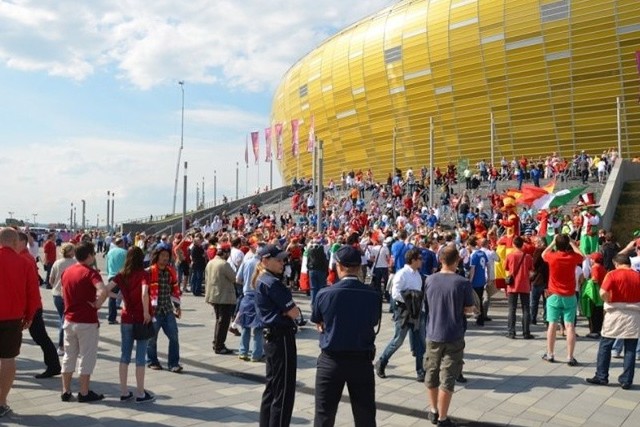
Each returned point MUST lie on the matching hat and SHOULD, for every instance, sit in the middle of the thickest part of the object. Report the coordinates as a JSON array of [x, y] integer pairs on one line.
[[271, 251], [596, 257], [587, 200], [348, 256]]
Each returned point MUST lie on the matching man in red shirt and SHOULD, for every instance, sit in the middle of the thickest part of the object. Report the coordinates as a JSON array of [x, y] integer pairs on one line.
[[19, 303], [37, 329], [562, 302], [49, 256], [620, 291], [83, 293], [519, 265]]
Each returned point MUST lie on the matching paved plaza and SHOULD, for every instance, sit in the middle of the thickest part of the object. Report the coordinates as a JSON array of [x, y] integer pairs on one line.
[[508, 383]]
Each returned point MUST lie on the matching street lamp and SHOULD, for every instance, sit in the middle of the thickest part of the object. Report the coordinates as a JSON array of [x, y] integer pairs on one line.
[[71, 217], [34, 218], [175, 188], [108, 209], [11, 214]]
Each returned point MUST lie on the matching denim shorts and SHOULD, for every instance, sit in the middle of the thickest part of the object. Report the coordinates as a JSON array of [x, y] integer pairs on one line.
[[126, 346]]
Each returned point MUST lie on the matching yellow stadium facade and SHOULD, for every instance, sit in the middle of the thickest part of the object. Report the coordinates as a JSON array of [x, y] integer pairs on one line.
[[548, 71]]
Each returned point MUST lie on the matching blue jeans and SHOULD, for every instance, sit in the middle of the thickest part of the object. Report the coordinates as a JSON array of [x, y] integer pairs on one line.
[[59, 303], [170, 327], [604, 360], [619, 343], [196, 281], [126, 346], [417, 340], [318, 280], [255, 334]]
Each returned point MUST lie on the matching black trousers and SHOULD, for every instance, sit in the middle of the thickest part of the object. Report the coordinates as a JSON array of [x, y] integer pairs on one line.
[[38, 332], [280, 391], [596, 319], [526, 312], [223, 314], [331, 375], [480, 293]]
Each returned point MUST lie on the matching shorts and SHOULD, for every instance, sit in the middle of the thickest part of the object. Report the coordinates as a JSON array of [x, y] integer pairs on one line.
[[10, 338], [561, 308], [183, 268], [443, 363], [80, 342]]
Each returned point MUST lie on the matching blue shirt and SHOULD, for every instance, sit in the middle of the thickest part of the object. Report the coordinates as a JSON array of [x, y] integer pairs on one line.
[[273, 299], [398, 250], [245, 272], [350, 311], [446, 296], [479, 260], [429, 261]]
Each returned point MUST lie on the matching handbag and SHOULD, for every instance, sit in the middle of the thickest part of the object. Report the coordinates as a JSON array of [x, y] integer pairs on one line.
[[509, 280], [143, 331]]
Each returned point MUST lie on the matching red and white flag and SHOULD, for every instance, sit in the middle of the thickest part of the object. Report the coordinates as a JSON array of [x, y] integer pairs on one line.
[[279, 142], [246, 151], [267, 142], [312, 136], [295, 138], [255, 141]]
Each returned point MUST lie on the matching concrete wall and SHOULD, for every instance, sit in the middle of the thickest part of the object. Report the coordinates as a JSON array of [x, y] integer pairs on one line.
[[623, 171]]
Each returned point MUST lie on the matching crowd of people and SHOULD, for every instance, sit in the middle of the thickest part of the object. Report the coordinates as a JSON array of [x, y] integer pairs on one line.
[[436, 265]]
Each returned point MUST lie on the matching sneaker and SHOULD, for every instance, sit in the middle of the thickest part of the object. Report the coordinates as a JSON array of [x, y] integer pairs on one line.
[[148, 397], [420, 377], [258, 360], [4, 410], [126, 398], [617, 356], [223, 350], [548, 358], [155, 366], [113, 322], [380, 370], [244, 357], [461, 379], [176, 369], [510, 336], [625, 386], [447, 423], [66, 397], [572, 362], [61, 352], [90, 397], [528, 337], [433, 417], [597, 381]]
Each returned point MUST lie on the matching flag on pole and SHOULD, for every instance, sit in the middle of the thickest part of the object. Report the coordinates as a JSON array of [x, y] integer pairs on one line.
[[295, 140], [255, 142], [279, 143], [246, 151], [267, 142], [558, 199], [312, 136]]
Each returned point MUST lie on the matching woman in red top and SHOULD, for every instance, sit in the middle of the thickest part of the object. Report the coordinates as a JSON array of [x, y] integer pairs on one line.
[[134, 288]]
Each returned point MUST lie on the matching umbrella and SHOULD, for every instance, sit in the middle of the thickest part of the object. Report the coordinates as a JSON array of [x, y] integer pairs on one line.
[[558, 199]]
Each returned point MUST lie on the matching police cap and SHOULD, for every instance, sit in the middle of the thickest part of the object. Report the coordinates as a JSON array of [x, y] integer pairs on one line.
[[348, 256]]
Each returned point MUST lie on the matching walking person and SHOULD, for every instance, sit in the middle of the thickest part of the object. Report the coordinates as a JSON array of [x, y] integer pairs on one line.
[[220, 292], [317, 267], [164, 292], [115, 261], [620, 291], [539, 281], [50, 255], [347, 343], [37, 329], [408, 315], [198, 264], [277, 312], [448, 298], [251, 337], [132, 282], [562, 255], [68, 251], [478, 261], [20, 302], [519, 265]]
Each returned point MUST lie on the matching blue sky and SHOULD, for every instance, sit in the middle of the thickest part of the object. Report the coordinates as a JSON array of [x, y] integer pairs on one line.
[[91, 100]]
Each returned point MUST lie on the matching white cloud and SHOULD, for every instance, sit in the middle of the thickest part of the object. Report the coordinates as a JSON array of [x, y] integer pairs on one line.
[[247, 44]]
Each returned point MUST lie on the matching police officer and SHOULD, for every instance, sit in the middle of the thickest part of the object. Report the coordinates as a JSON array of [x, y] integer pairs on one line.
[[277, 311], [346, 315]]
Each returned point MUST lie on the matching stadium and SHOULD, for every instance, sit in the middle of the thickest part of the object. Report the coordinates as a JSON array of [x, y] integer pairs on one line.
[[533, 76]]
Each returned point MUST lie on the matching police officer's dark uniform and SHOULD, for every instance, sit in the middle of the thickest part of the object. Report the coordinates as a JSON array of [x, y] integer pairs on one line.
[[273, 300], [347, 314]]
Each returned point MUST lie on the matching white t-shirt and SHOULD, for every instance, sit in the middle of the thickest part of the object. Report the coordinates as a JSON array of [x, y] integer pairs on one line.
[[405, 280], [635, 263], [382, 260]]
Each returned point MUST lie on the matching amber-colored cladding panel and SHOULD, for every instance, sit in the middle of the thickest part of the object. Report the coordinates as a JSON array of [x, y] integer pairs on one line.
[[548, 70]]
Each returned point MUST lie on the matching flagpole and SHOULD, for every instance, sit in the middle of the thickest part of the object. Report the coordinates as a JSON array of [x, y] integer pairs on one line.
[[619, 118], [431, 162]]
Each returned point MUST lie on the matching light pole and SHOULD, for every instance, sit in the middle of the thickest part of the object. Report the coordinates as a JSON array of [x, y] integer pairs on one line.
[[237, 166], [97, 221], [184, 201], [113, 215], [175, 188], [75, 222], [34, 218], [11, 214], [108, 209], [203, 191], [215, 182], [84, 211], [71, 217]]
